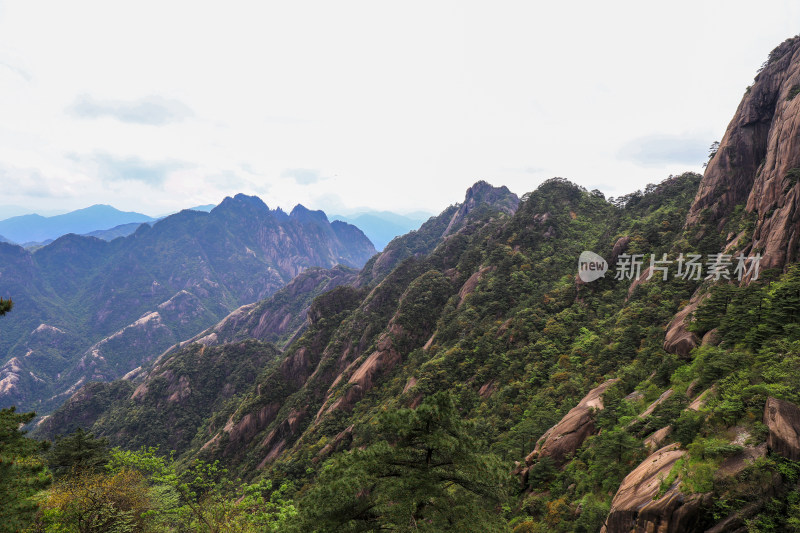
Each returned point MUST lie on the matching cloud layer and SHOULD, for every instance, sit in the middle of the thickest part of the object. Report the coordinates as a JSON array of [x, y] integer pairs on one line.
[[108, 167], [169, 104], [302, 176], [150, 110]]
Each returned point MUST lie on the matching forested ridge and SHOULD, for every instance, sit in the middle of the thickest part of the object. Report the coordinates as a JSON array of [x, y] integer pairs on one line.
[[468, 379]]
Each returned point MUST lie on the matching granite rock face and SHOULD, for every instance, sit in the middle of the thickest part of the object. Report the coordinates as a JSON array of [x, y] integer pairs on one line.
[[783, 420], [758, 162], [635, 507], [563, 439]]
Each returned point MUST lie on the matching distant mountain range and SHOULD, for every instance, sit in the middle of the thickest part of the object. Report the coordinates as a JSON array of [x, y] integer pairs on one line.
[[88, 309], [107, 223], [25, 229], [101, 221], [383, 226]]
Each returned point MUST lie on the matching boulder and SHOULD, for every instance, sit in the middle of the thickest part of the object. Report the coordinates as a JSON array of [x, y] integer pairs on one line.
[[678, 339], [619, 248], [564, 439], [636, 509]]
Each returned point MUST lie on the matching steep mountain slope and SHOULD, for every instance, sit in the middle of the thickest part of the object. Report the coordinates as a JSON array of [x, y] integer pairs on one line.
[[35, 228], [283, 316], [120, 303], [649, 399], [491, 311], [280, 318]]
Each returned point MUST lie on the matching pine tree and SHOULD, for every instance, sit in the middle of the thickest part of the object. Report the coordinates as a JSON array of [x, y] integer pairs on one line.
[[79, 451], [5, 306], [428, 473], [22, 473]]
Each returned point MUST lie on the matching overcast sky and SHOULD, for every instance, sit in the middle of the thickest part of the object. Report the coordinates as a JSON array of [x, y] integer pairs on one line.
[[155, 106]]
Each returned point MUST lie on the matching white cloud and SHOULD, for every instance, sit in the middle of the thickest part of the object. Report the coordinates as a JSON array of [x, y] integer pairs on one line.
[[151, 110], [303, 176], [403, 105]]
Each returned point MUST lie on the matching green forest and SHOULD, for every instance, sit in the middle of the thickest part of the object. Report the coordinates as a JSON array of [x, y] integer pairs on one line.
[[439, 440]]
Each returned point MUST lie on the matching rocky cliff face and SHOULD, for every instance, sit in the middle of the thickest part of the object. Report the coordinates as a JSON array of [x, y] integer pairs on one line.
[[758, 162]]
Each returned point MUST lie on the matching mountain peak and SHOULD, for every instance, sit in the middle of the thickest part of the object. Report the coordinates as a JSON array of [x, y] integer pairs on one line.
[[242, 203], [483, 194], [304, 214]]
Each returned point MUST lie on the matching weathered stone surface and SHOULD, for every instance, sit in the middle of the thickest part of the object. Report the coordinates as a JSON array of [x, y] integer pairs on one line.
[[471, 283], [654, 441], [701, 399], [658, 401], [483, 193], [634, 509], [566, 437], [645, 276], [783, 420], [678, 339], [619, 247], [735, 464], [756, 157], [711, 338]]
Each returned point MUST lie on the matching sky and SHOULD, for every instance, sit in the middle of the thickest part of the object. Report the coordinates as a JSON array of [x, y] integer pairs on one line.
[[399, 106]]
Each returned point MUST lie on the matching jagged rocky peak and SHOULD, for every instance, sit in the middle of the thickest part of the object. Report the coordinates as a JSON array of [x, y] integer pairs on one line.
[[304, 214], [242, 203], [482, 193], [758, 161]]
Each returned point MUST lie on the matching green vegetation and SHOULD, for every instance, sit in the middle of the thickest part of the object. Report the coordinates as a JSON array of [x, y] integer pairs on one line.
[[407, 400], [22, 471], [425, 471], [144, 492], [192, 268]]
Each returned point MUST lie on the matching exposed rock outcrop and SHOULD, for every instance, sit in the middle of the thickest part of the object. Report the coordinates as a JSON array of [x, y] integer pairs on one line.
[[678, 339], [658, 401], [563, 439], [635, 508], [758, 161], [654, 441], [783, 420], [483, 194], [471, 283]]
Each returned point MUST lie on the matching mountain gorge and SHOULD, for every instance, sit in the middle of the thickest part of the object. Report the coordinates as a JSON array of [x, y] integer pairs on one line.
[[88, 309], [469, 363]]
